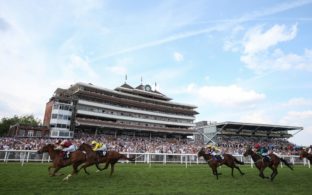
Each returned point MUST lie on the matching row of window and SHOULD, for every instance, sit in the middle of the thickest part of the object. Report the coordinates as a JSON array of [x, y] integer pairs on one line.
[[92, 90], [30, 133], [61, 134], [131, 107], [64, 126], [61, 117], [134, 115], [59, 106]]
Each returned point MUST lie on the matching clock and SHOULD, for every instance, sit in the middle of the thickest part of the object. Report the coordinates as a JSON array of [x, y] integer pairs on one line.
[[148, 88]]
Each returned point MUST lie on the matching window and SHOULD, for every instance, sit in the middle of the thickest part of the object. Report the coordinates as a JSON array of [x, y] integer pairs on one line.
[[21, 132], [30, 133], [38, 133]]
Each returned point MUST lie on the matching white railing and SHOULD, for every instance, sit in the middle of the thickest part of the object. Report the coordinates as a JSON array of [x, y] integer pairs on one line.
[[25, 156]]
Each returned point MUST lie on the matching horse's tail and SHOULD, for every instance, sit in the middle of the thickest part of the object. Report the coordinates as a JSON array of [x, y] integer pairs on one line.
[[286, 163], [237, 161]]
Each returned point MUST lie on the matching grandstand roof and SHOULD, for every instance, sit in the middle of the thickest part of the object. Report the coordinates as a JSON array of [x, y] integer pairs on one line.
[[256, 126], [256, 129]]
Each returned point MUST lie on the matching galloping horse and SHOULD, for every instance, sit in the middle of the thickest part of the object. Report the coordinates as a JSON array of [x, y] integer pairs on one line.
[[76, 158], [111, 158], [228, 160], [304, 154], [261, 164]]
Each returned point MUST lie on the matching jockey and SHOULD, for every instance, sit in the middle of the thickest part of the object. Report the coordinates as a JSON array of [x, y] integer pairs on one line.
[[99, 147], [214, 151], [67, 147], [310, 149], [262, 151]]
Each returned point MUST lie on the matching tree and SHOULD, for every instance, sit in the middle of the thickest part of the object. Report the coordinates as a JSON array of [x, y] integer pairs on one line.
[[5, 123]]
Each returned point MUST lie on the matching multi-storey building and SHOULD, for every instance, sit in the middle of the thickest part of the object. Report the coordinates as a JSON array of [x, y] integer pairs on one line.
[[124, 110]]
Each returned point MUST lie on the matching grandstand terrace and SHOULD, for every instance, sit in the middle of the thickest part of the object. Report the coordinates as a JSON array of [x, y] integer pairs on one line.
[[125, 110]]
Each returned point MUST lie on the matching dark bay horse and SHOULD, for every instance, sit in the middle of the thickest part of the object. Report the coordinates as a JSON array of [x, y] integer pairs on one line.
[[261, 164], [304, 154], [111, 158], [228, 160], [76, 158]]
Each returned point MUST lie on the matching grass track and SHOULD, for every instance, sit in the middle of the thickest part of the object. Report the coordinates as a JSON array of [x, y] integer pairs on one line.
[[157, 179]]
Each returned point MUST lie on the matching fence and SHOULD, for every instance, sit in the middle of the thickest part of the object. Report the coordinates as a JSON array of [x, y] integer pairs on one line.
[[25, 156]]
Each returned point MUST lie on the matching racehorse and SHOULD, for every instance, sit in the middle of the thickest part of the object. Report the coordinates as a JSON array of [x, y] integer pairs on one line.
[[304, 154], [227, 160], [262, 164], [111, 158], [76, 158]]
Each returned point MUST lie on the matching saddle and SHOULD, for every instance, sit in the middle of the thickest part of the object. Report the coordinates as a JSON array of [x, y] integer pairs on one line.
[[101, 153], [266, 159], [65, 155], [217, 157]]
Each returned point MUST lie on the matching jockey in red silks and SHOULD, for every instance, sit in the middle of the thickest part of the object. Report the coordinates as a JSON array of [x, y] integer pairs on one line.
[[67, 147], [310, 149]]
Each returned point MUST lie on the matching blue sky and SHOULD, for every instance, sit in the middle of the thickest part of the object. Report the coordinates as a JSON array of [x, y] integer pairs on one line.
[[236, 60]]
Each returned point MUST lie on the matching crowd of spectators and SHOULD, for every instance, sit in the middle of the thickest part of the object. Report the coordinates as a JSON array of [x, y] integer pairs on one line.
[[233, 145]]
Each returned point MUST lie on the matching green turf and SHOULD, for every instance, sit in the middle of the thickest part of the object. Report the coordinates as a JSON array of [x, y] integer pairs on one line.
[[157, 179]]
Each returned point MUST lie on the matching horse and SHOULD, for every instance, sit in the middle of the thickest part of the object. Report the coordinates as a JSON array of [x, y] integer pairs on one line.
[[76, 158], [228, 160], [262, 164], [304, 154], [111, 158]]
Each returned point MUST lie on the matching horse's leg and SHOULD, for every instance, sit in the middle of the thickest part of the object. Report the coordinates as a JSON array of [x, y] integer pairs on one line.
[[106, 165], [232, 171], [112, 168], [49, 170], [75, 171], [274, 172], [55, 171], [261, 173], [84, 167], [236, 167], [216, 171]]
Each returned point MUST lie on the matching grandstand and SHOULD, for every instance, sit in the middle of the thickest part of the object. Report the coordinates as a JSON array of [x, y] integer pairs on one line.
[[126, 110], [215, 132]]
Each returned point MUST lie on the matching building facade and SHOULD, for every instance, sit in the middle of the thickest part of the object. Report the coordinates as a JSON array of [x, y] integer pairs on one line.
[[125, 110], [21, 130]]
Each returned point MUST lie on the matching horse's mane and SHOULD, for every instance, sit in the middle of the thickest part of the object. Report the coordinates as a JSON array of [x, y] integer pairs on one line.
[[85, 146]]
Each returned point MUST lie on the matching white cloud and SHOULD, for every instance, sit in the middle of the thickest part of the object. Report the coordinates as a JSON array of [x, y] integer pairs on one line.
[[260, 51], [302, 119], [82, 7], [78, 66], [294, 102], [120, 70], [298, 118], [178, 56], [277, 60], [255, 40], [256, 117], [231, 95]]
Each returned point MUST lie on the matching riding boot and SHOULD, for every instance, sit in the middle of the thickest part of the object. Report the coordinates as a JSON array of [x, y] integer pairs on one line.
[[266, 159], [98, 152]]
